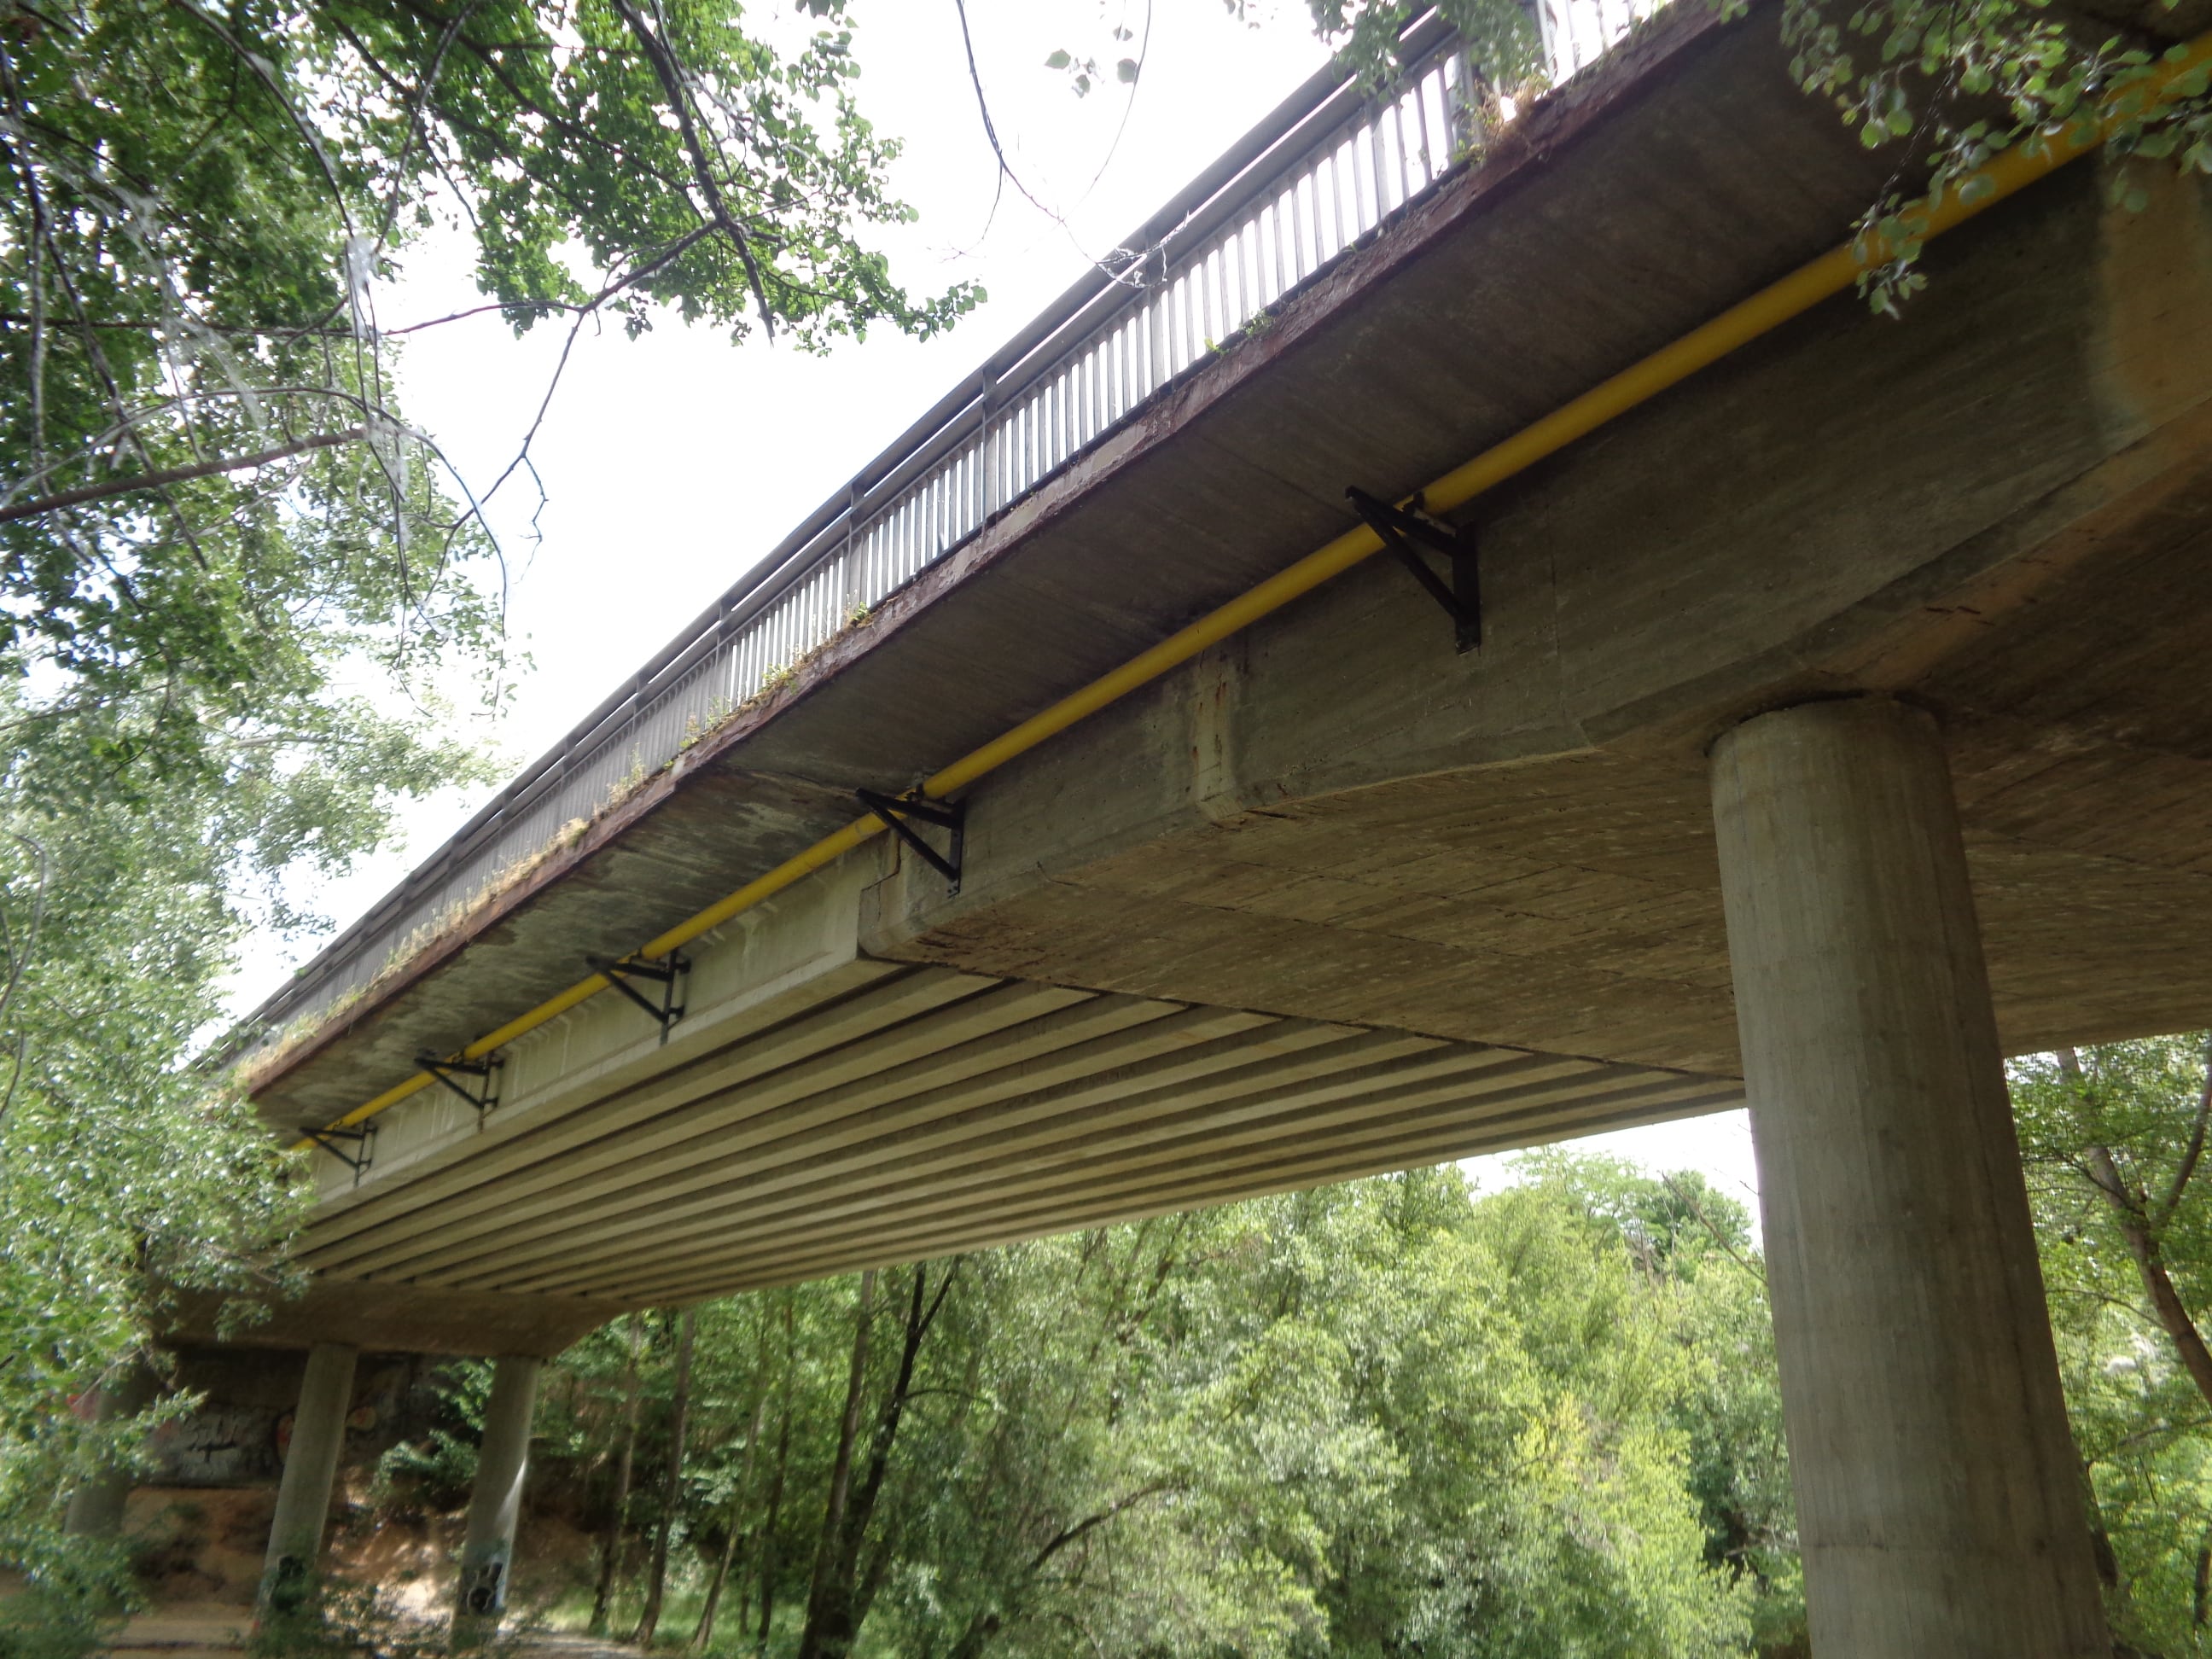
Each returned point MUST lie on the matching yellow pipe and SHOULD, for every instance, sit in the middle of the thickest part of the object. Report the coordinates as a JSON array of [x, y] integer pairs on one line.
[[1794, 295]]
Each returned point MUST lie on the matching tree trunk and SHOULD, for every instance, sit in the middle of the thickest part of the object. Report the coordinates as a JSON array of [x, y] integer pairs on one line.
[[2100, 1539], [2199, 1610], [656, 1586], [2150, 1266], [765, 1556], [2140, 1219], [705, 1633], [840, 1597], [611, 1547], [849, 1427]]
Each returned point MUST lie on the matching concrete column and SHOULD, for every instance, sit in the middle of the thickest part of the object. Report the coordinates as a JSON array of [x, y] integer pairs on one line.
[[311, 1467], [495, 1500], [95, 1508], [1937, 1500]]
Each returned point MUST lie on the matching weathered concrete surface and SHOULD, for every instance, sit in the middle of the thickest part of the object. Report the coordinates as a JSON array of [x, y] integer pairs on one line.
[[1998, 507], [1618, 214], [1334, 832], [393, 1320], [311, 1467], [1939, 1501], [495, 1501]]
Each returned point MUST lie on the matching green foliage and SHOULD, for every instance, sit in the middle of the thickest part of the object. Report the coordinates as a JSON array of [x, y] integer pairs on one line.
[[197, 206], [1385, 1418], [2113, 1139], [432, 1473], [50, 1622], [124, 1177], [233, 578]]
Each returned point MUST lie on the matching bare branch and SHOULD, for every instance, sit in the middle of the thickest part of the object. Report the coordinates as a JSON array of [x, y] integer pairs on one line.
[[983, 107], [1092, 1523], [674, 251]]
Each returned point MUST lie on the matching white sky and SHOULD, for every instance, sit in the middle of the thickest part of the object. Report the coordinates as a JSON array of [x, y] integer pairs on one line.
[[672, 463]]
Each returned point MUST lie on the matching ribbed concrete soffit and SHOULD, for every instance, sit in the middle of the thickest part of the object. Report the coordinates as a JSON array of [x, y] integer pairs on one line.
[[931, 1111]]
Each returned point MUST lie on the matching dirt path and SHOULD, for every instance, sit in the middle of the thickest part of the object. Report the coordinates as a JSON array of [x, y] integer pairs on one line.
[[210, 1631]]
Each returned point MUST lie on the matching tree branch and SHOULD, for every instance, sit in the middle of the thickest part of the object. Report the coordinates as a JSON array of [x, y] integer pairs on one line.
[[2194, 1151], [1705, 1221], [176, 475], [666, 70], [1091, 1522]]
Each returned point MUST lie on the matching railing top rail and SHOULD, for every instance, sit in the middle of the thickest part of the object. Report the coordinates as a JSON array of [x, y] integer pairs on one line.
[[1245, 174]]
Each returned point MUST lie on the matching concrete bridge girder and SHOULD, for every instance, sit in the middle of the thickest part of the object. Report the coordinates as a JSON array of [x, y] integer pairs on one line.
[[817, 1109], [1997, 508]]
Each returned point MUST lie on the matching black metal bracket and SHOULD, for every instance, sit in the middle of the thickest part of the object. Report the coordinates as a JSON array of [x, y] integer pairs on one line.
[[1402, 532], [664, 973], [364, 1141], [450, 1072], [896, 810]]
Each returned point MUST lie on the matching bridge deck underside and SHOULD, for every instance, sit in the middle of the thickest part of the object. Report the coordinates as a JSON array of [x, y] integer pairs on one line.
[[931, 1111]]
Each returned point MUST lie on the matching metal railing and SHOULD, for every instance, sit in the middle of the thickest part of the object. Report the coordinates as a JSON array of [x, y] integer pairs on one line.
[[1577, 33], [1327, 168]]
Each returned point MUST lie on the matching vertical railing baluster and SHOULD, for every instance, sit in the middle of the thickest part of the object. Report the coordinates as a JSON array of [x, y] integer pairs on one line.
[[1392, 119], [1164, 334], [1276, 209], [1423, 88], [1342, 160]]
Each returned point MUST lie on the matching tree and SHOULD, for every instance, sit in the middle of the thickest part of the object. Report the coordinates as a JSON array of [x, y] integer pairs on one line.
[[234, 580], [2113, 1137], [671, 1490], [199, 205], [610, 1544], [124, 1174], [1374, 1419]]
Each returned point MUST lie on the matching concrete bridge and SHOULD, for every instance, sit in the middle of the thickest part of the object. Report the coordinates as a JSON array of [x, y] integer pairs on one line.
[[1798, 705]]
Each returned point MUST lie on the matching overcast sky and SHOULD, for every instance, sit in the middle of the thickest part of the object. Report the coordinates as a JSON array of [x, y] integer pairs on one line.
[[672, 463]]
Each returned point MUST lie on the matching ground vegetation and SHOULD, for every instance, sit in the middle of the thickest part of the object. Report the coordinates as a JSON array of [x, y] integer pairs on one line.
[[1393, 1416], [240, 593]]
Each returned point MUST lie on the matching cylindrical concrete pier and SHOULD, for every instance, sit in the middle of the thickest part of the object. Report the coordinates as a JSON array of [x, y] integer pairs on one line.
[[1936, 1476], [311, 1467], [495, 1500], [95, 1508]]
